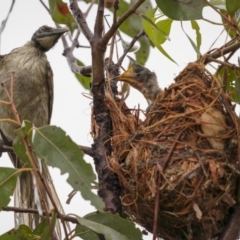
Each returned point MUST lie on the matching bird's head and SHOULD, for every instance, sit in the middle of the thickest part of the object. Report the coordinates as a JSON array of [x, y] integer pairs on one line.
[[46, 37], [141, 78]]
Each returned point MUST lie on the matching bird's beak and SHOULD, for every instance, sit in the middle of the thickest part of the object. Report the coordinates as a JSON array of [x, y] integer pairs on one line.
[[130, 77], [52, 32]]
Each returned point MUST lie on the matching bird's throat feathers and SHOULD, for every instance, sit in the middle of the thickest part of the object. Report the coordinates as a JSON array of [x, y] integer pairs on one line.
[[27, 57]]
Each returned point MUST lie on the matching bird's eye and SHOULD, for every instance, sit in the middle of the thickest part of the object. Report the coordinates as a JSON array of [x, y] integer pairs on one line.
[[43, 29]]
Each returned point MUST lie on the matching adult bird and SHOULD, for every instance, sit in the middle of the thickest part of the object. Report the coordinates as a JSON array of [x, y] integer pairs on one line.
[[142, 79], [33, 99]]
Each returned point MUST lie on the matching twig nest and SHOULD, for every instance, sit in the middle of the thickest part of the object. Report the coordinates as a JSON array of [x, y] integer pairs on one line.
[[182, 160]]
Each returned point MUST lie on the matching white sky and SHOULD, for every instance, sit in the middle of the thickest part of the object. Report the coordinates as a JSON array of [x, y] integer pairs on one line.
[[71, 109]]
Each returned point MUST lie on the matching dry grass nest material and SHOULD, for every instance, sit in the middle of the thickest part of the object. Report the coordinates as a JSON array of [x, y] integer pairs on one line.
[[183, 155]]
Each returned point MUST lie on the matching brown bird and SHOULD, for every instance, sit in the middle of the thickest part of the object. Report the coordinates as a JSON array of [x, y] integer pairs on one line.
[[142, 79], [33, 99]]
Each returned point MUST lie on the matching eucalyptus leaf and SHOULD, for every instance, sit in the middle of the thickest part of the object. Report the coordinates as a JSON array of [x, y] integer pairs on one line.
[[232, 6], [22, 233], [58, 150], [111, 226], [8, 181], [182, 10]]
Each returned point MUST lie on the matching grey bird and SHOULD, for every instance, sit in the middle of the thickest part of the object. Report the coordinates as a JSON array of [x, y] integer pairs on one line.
[[142, 79], [33, 99]]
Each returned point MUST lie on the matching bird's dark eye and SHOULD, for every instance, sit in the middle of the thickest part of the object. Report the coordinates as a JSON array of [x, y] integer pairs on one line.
[[43, 29]]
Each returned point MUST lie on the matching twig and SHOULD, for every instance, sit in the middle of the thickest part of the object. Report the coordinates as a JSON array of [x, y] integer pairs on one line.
[[98, 28], [115, 7], [84, 70], [222, 51], [115, 26], [5, 148], [233, 25], [35, 211], [227, 64], [86, 150], [45, 6], [135, 38]]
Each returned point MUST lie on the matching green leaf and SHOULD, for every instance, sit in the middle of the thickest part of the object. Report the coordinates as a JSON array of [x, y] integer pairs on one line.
[[133, 25], [18, 143], [229, 77], [143, 52], [182, 10], [196, 27], [58, 150], [155, 36], [84, 81], [232, 6], [46, 235], [111, 226], [8, 180], [192, 43], [60, 14], [221, 4], [85, 233], [230, 31], [41, 227], [22, 233], [161, 35], [165, 25], [43, 230]]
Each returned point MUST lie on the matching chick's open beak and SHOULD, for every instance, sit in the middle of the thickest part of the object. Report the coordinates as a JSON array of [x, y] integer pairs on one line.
[[130, 77]]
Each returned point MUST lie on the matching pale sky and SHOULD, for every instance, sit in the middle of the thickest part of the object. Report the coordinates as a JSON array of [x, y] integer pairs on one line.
[[71, 110]]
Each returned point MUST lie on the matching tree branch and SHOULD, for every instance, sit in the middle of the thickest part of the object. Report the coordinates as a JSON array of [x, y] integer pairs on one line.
[[233, 45], [80, 19], [115, 26], [86, 150], [135, 38], [98, 28], [35, 211], [84, 70]]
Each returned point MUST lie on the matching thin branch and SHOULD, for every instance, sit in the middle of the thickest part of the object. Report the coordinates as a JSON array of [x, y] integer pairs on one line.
[[233, 25], [233, 45], [84, 70], [98, 28], [35, 211], [45, 6], [89, 8], [135, 38], [80, 19], [227, 64], [116, 7], [86, 150], [4, 147], [115, 26]]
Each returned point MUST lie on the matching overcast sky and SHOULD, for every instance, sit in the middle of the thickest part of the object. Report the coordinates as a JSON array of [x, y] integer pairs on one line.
[[71, 110]]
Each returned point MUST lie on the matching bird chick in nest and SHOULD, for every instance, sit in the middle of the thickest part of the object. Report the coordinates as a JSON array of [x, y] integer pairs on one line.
[[142, 79]]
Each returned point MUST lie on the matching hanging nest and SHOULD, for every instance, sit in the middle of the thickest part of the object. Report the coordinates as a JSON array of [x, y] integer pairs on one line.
[[181, 161]]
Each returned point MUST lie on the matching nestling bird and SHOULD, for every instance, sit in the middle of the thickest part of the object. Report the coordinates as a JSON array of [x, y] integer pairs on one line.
[[32, 97], [142, 79]]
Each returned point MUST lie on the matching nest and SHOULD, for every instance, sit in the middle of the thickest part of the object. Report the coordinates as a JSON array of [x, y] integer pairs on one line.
[[181, 161]]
